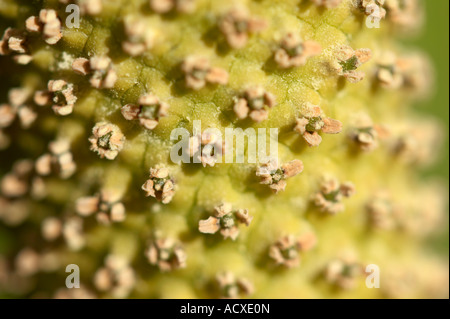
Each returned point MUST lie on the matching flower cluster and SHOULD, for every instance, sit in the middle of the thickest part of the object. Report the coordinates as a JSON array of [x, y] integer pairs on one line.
[[275, 176], [225, 219], [59, 94], [231, 288], [285, 251], [107, 206], [198, 72], [160, 185], [312, 121], [13, 42], [18, 107], [116, 277], [294, 52], [148, 112], [166, 254], [46, 23], [237, 25], [329, 198], [59, 160], [347, 60], [254, 103], [107, 140]]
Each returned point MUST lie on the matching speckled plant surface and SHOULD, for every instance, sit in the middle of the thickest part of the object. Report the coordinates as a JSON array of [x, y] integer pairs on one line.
[[86, 174]]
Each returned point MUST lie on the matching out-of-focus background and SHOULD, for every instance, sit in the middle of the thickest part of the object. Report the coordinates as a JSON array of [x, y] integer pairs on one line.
[[434, 40]]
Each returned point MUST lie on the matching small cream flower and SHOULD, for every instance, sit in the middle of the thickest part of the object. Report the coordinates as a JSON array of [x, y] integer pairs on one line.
[[312, 121], [366, 135], [372, 8], [103, 74], [51, 228], [148, 112], [73, 233], [254, 103], [21, 180], [388, 71], [231, 288], [198, 73], [160, 185], [90, 7], [348, 60], [116, 277], [107, 205], [343, 272], [293, 52], [139, 37], [107, 140], [46, 23], [60, 95], [13, 42], [225, 219], [237, 25], [275, 176], [14, 211], [329, 198], [27, 262], [417, 143], [382, 212], [417, 74], [81, 66], [286, 250], [166, 254], [18, 107], [406, 15], [59, 159]]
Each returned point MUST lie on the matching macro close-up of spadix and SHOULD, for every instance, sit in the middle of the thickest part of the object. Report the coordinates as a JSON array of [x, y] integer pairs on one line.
[[224, 149]]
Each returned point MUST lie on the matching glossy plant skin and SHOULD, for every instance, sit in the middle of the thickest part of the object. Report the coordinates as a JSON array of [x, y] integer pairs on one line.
[[356, 198]]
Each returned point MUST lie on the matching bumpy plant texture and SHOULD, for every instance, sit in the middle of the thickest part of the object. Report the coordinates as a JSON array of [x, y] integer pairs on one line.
[[86, 176]]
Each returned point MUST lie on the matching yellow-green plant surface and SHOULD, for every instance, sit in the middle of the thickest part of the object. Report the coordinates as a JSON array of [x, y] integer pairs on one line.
[[414, 207]]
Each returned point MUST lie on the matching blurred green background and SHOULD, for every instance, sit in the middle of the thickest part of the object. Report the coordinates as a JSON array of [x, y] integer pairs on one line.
[[434, 39]]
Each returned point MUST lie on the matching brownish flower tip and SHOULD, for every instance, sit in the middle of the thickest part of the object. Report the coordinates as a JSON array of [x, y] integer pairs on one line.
[[166, 254], [274, 176], [107, 140], [160, 185], [103, 74], [254, 103], [237, 25], [148, 112], [343, 273], [329, 198], [312, 121], [116, 277], [231, 288], [348, 60], [198, 73], [293, 52], [225, 219], [59, 160], [139, 37]]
